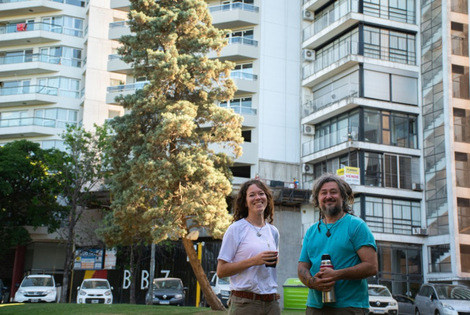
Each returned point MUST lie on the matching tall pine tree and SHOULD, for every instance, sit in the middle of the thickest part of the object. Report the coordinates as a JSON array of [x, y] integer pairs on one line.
[[170, 167]]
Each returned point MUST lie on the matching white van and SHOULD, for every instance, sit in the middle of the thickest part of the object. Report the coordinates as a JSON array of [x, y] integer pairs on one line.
[[37, 288]]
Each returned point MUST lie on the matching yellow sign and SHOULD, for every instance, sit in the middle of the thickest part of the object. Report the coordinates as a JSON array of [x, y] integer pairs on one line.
[[350, 174]]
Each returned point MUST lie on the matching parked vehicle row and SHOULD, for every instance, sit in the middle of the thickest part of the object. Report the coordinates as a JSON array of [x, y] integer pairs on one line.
[[432, 299]]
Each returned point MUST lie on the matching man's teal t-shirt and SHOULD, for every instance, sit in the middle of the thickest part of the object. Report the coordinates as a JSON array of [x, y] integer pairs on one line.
[[348, 235]]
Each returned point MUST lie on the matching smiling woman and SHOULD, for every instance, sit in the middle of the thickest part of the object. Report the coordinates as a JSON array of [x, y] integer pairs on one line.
[[249, 251]]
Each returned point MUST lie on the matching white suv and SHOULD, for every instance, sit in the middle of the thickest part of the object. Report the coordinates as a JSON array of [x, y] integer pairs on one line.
[[37, 288], [381, 300]]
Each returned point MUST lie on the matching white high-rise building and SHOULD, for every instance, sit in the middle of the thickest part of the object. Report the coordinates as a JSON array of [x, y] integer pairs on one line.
[[379, 88], [385, 88]]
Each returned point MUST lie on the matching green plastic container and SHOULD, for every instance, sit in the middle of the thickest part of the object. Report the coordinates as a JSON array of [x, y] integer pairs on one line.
[[295, 294]]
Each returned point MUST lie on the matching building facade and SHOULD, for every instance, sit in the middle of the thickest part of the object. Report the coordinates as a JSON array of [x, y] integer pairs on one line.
[[385, 91], [379, 86]]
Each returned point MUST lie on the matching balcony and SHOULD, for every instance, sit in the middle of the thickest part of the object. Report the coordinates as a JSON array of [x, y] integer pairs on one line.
[[26, 7], [331, 23], [121, 5], [118, 29], [245, 82], [124, 89], [30, 127], [330, 62], [238, 48], [234, 15], [27, 64], [35, 95], [34, 33], [115, 64], [314, 5]]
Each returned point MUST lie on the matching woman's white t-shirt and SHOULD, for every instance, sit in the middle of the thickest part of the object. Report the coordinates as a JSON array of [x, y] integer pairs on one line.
[[241, 242]]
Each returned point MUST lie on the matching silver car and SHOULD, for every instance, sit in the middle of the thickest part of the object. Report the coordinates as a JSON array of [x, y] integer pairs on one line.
[[442, 299]]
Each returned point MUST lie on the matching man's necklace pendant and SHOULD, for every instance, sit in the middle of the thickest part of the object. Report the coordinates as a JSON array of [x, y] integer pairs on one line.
[[258, 234], [328, 234]]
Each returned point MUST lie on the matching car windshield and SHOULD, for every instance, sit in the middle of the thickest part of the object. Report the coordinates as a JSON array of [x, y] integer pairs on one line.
[[167, 284], [224, 280], [37, 282], [378, 291], [453, 292], [95, 285]]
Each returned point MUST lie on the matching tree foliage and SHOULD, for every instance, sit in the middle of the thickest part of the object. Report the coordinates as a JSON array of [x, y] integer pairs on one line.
[[83, 169], [173, 149], [29, 190]]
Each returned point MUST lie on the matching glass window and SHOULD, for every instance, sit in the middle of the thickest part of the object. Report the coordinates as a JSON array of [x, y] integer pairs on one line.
[[463, 208], [440, 258], [459, 39], [372, 126], [461, 125], [460, 6], [391, 215], [462, 169], [465, 257], [460, 82]]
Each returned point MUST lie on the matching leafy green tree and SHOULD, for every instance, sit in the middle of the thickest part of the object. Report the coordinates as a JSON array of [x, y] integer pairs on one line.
[[28, 192], [173, 149], [83, 170]]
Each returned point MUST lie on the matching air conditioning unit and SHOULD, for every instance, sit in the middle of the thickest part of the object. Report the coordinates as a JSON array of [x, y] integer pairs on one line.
[[309, 54], [420, 231], [417, 187], [309, 130], [307, 15], [307, 169]]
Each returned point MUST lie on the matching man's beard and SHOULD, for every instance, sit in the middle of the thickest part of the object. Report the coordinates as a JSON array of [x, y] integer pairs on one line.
[[332, 211]]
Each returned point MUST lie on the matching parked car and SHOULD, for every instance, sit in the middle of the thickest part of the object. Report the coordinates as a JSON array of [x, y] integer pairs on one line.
[[95, 291], [37, 288], [4, 295], [221, 287], [381, 300], [442, 299], [168, 291], [406, 305]]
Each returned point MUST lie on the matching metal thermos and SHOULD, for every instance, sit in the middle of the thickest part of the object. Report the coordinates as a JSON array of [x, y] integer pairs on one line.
[[328, 296]]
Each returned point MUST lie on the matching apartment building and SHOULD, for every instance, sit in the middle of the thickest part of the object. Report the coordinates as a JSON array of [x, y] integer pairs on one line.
[[385, 92], [381, 87], [52, 72]]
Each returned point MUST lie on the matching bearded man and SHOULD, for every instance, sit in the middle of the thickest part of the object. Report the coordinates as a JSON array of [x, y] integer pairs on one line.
[[348, 241]]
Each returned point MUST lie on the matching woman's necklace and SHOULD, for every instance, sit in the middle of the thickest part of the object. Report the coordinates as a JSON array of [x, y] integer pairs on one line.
[[328, 233], [258, 232]]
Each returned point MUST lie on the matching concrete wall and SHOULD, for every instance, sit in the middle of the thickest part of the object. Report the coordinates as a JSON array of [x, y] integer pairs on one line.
[[288, 221]]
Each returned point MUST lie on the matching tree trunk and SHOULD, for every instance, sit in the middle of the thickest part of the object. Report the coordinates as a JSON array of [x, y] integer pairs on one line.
[[69, 258], [133, 277], [201, 277]]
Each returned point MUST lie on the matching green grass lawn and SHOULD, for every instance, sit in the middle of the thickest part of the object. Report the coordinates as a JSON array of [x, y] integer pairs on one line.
[[115, 309]]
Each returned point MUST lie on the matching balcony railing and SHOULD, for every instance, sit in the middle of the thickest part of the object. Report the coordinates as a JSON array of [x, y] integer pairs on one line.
[[127, 87], [234, 6], [78, 3], [118, 24], [330, 15], [329, 56], [243, 41], [34, 121], [242, 109], [73, 62], [37, 89], [324, 142], [340, 93], [39, 26], [243, 75]]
